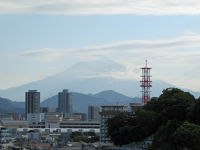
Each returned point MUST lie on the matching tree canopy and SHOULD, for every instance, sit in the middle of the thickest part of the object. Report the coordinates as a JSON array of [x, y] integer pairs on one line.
[[172, 119]]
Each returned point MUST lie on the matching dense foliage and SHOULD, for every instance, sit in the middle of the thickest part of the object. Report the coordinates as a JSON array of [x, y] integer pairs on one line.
[[88, 137], [173, 119]]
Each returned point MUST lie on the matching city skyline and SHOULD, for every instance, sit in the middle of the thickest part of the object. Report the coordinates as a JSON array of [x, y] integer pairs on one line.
[[49, 37]]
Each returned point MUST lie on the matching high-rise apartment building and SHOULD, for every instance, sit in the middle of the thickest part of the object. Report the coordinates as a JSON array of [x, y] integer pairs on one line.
[[93, 113], [32, 102], [32, 106], [65, 103]]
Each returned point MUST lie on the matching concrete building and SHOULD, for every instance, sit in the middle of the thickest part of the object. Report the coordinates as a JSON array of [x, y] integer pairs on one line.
[[93, 113], [52, 120], [79, 116], [135, 106], [6, 117], [15, 123], [32, 102], [34, 118], [11, 116], [106, 113], [80, 124], [65, 103], [35, 135], [47, 109], [5, 138]]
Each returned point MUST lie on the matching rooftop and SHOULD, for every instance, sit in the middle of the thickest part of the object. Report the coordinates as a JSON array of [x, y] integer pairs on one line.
[[114, 106]]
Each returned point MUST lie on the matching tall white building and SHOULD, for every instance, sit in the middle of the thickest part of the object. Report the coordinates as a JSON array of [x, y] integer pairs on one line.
[[106, 113]]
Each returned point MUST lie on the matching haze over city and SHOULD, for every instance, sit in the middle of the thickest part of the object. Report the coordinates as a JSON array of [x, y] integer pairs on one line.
[[99, 74], [42, 38]]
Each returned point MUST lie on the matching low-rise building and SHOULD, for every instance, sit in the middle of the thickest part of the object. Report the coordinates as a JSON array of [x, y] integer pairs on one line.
[[11, 116], [52, 120], [33, 134], [79, 116], [34, 118], [135, 106], [47, 109], [80, 124], [5, 138], [15, 123]]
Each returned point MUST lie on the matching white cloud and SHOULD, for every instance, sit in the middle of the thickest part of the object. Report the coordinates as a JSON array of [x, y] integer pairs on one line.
[[45, 54], [186, 45], [77, 7]]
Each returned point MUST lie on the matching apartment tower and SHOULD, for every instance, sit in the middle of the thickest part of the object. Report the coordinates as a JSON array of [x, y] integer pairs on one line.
[[93, 113], [65, 103], [32, 102]]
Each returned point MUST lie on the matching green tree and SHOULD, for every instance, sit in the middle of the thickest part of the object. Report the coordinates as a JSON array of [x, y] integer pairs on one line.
[[162, 117], [117, 128], [145, 124], [172, 104], [163, 136], [194, 114], [187, 136], [88, 137]]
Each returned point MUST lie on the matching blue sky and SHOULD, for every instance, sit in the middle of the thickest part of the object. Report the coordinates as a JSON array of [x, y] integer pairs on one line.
[[42, 38], [76, 31]]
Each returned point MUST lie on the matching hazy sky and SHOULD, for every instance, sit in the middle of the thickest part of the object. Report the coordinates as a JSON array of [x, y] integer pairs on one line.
[[39, 38]]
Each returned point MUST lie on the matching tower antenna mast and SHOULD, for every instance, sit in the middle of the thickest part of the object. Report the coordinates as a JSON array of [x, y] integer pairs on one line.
[[146, 84]]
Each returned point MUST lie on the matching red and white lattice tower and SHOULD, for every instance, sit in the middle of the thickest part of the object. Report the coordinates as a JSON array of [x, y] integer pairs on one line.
[[146, 84]]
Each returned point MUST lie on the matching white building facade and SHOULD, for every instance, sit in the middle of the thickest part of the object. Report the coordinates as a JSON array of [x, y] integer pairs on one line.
[[34, 118]]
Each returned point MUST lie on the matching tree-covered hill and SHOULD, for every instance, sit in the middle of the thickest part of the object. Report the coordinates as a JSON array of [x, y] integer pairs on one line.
[[173, 119]]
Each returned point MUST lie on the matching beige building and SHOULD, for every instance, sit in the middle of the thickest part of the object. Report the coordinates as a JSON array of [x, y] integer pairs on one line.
[[52, 120], [135, 106]]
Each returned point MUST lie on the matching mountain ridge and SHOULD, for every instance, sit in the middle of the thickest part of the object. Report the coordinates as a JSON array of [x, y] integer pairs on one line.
[[9, 106], [80, 102]]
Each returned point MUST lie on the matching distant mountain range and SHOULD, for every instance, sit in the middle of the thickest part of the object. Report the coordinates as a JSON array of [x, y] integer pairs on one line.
[[80, 102], [8, 106], [87, 77]]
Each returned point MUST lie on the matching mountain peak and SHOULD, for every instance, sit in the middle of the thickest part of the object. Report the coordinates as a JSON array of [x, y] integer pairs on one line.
[[109, 92], [87, 77], [111, 95], [101, 65]]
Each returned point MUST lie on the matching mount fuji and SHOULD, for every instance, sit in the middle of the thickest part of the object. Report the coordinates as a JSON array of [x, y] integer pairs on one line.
[[87, 77]]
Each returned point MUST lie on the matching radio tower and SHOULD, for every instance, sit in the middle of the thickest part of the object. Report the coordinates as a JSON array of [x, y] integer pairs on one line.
[[146, 84]]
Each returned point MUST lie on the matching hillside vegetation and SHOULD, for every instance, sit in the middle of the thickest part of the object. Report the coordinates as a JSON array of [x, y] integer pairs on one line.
[[173, 119]]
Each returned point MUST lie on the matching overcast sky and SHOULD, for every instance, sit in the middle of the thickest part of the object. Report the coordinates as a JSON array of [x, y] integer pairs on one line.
[[39, 38]]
